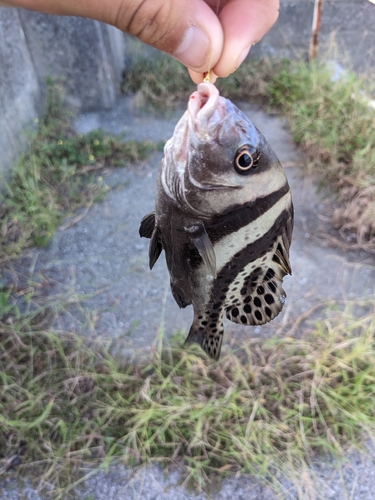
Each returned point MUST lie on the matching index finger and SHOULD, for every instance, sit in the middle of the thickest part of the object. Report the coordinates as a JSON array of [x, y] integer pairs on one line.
[[244, 23]]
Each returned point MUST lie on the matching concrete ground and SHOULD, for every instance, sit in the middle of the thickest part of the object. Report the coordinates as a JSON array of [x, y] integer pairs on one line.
[[103, 253]]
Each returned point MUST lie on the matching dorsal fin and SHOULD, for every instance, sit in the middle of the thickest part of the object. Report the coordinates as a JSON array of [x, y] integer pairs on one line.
[[282, 259]]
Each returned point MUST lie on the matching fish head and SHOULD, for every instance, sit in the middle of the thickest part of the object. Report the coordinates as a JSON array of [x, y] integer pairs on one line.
[[217, 155]]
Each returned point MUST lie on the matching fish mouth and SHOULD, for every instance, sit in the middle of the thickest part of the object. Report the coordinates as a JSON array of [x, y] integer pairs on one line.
[[206, 111], [203, 102]]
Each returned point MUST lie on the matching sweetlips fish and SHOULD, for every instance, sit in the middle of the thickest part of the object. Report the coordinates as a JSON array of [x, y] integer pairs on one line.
[[224, 217]]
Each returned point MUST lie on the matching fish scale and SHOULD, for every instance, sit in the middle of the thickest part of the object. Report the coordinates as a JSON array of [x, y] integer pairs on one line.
[[224, 218]]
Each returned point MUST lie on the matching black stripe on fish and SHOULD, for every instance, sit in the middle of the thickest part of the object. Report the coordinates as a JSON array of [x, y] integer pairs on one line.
[[250, 253], [238, 216], [248, 297], [235, 218]]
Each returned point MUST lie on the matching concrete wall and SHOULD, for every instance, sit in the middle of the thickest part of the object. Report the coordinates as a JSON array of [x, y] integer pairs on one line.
[[347, 30], [20, 95], [88, 57]]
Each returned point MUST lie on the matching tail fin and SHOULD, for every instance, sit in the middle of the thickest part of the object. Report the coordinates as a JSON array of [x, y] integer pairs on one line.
[[209, 340]]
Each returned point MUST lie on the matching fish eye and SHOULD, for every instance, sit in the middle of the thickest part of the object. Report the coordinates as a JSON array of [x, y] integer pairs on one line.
[[245, 160]]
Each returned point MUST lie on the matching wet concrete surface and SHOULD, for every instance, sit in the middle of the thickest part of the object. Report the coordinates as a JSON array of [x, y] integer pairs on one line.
[[103, 259]]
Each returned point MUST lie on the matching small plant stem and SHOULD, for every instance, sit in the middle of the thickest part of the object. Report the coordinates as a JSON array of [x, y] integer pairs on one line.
[[318, 6]]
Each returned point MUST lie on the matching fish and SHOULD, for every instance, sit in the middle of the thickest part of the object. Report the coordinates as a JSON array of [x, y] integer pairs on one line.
[[224, 218]]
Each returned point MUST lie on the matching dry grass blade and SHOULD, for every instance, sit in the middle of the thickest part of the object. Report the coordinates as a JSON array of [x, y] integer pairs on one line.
[[73, 220], [266, 408]]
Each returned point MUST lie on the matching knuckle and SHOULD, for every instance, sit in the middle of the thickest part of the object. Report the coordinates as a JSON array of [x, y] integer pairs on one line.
[[151, 22]]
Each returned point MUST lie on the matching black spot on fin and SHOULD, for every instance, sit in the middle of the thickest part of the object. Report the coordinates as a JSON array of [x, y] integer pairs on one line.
[[179, 296], [209, 337], [147, 225], [155, 248], [259, 301], [200, 239]]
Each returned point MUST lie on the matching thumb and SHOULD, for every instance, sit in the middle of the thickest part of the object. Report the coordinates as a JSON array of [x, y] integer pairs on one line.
[[187, 30]]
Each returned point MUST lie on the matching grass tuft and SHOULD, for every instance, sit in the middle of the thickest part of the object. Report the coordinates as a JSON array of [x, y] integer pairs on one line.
[[155, 92], [334, 124], [57, 174], [266, 408]]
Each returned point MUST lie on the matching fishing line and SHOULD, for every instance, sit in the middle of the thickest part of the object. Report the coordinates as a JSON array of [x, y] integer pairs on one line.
[[207, 75]]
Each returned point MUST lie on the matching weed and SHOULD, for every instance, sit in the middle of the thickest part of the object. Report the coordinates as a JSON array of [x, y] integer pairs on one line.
[[266, 408], [159, 81], [7, 308], [56, 175], [335, 126]]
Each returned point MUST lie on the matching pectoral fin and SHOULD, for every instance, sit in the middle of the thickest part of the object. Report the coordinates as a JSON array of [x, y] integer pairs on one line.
[[201, 241]]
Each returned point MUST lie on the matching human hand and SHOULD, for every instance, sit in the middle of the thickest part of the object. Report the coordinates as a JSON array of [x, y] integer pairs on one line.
[[202, 34]]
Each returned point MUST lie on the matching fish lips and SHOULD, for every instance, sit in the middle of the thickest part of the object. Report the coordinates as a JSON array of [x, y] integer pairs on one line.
[[206, 112], [203, 102]]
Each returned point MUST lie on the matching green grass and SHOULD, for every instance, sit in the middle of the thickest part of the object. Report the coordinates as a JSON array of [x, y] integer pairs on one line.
[[60, 172], [159, 82], [330, 120], [333, 123], [266, 408]]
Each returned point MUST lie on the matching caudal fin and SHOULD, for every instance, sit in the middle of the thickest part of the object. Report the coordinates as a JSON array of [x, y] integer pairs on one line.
[[209, 337]]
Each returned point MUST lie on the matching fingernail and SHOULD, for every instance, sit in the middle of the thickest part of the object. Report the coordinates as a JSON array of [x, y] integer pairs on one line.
[[243, 56], [193, 49]]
